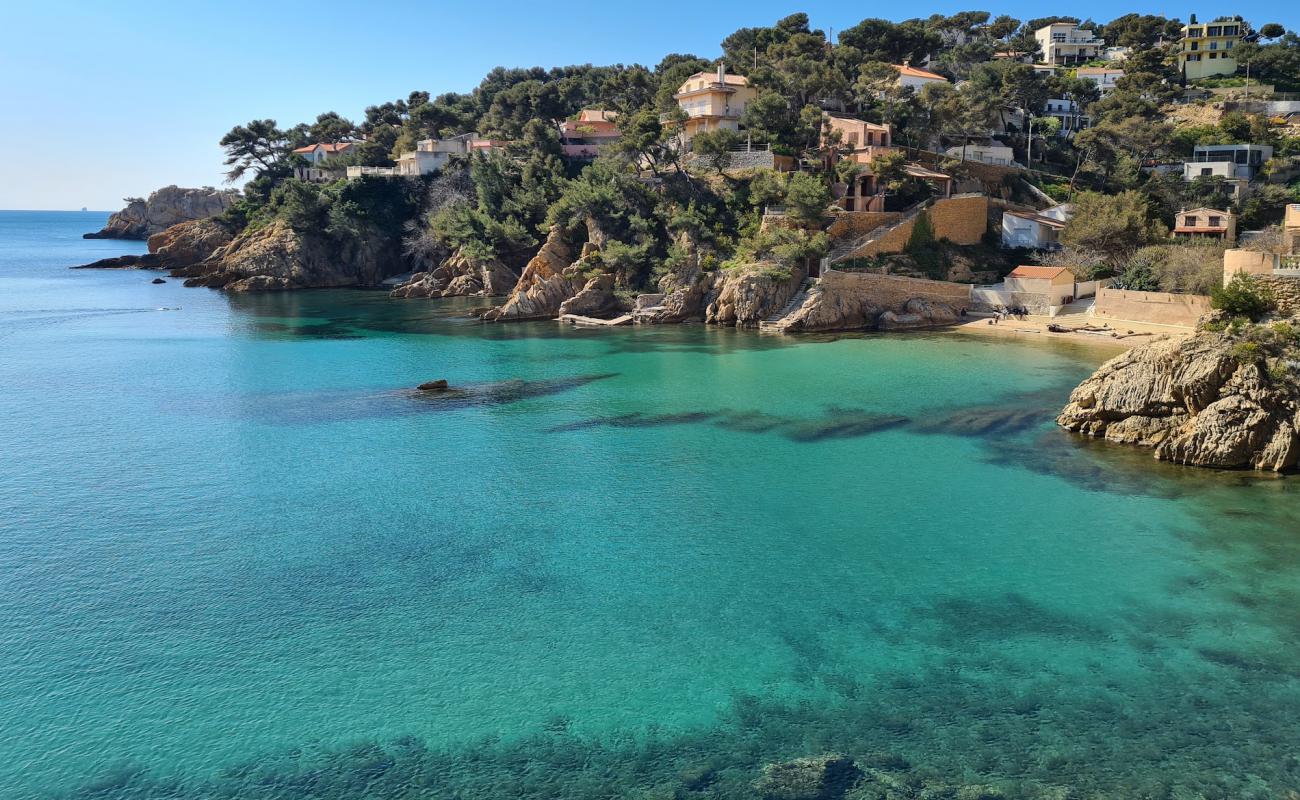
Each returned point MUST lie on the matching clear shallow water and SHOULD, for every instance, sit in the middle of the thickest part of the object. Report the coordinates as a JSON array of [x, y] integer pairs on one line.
[[239, 558]]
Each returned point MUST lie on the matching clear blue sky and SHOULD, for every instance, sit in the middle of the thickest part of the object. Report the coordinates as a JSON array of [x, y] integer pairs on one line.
[[105, 100]]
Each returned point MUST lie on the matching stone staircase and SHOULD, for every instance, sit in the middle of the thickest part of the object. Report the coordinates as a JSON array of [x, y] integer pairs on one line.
[[1077, 313], [773, 323], [845, 250]]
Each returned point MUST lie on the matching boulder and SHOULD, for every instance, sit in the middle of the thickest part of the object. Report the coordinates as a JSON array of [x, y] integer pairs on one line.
[[146, 261], [189, 243], [461, 275], [157, 280], [1202, 401], [595, 299], [164, 208], [439, 385], [682, 290], [750, 294], [817, 778]]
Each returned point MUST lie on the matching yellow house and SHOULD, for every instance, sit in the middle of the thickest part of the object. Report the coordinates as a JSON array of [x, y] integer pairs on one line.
[[1207, 48], [713, 101]]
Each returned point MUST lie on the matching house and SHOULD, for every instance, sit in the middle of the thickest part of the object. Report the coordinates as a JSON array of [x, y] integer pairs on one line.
[[431, 155], [1205, 223], [1055, 284], [1067, 43], [316, 153], [713, 101], [1207, 49], [593, 129], [916, 79], [1291, 229], [860, 142], [992, 153], [1036, 230], [1236, 162], [1105, 78], [1069, 113], [1116, 53]]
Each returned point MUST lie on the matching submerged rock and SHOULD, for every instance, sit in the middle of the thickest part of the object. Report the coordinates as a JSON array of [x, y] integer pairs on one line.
[[817, 778], [1211, 400], [439, 385], [157, 280], [145, 261], [164, 208]]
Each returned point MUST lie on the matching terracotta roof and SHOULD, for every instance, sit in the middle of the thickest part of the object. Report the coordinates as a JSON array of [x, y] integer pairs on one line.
[[913, 72], [1050, 222], [1207, 210], [1038, 272], [329, 148]]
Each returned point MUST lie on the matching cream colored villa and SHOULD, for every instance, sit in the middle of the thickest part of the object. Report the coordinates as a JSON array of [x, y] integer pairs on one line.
[[713, 101]]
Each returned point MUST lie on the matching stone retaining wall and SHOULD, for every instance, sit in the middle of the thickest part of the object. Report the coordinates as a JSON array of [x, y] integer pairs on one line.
[[1158, 308], [960, 220], [853, 224], [1285, 289], [892, 291]]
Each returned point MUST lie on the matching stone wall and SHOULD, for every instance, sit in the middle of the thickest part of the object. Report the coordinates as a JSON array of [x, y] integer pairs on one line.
[[1158, 308], [1286, 290], [892, 291], [853, 224], [960, 220]]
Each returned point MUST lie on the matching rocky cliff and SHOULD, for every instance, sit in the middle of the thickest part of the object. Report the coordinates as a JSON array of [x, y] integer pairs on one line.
[[276, 256], [855, 301], [460, 276], [1225, 400], [548, 279], [750, 294], [682, 290], [170, 205]]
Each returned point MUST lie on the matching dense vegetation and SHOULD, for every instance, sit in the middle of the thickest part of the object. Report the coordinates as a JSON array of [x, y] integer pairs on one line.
[[639, 196]]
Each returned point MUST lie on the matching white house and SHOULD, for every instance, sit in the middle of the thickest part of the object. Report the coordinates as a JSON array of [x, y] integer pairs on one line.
[[1037, 230], [1069, 113], [1067, 43], [993, 153], [316, 153], [915, 78], [431, 155], [1104, 77]]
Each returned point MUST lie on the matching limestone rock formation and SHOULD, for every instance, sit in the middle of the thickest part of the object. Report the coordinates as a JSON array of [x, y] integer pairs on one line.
[[682, 290], [188, 243], [918, 313], [1202, 401], [746, 296], [166, 207], [276, 256], [595, 299], [546, 282], [462, 275], [855, 302], [817, 778]]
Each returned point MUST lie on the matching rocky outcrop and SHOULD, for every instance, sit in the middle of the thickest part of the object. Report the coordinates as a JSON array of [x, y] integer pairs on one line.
[[856, 301], [461, 275], [748, 295], [595, 299], [682, 291], [275, 257], [817, 778], [548, 279], [170, 205], [1211, 400], [189, 243]]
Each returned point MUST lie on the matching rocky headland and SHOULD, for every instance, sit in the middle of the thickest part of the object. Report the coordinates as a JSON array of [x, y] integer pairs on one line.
[[170, 205], [1228, 399]]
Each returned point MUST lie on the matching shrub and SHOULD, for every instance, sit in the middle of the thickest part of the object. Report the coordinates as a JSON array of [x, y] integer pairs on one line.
[[1243, 296], [1246, 352]]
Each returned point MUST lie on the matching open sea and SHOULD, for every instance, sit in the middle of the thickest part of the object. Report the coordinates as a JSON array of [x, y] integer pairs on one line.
[[240, 558]]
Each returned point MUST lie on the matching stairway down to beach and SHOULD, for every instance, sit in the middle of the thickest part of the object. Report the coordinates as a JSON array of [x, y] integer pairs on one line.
[[845, 250], [1076, 314], [775, 322]]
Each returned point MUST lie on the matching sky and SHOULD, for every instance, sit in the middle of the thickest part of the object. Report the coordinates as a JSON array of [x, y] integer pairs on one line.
[[101, 101]]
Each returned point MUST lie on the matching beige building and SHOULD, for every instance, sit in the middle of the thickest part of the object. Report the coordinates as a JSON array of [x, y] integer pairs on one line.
[[1291, 229], [860, 142], [1206, 223], [713, 101], [1207, 48], [1055, 283], [1067, 43]]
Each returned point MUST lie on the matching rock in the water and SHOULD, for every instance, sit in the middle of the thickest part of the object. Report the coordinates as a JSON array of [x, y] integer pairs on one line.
[[439, 385], [461, 275], [166, 207], [189, 243], [146, 261], [817, 778], [547, 281], [157, 280], [1204, 401], [854, 301]]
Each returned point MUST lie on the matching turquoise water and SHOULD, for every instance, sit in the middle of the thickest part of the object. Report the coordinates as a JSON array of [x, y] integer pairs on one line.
[[239, 558]]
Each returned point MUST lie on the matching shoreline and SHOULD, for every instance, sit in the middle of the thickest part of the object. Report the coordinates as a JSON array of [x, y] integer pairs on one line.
[[1034, 328]]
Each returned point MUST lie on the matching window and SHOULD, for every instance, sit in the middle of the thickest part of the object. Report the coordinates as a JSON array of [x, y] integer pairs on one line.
[[1190, 221], [1214, 45], [1214, 30], [853, 139], [1206, 171], [1230, 30], [1228, 45], [1196, 45], [1214, 55], [1216, 222]]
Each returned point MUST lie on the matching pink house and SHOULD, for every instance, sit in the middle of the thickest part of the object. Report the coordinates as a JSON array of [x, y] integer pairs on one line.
[[583, 137]]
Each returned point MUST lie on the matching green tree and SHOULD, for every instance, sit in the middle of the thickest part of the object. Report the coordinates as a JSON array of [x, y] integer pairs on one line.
[[1113, 225], [1243, 296], [807, 197], [259, 146]]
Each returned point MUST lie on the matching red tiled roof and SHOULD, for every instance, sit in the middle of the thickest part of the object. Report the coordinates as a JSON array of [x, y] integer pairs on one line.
[[329, 148], [1038, 272], [913, 72]]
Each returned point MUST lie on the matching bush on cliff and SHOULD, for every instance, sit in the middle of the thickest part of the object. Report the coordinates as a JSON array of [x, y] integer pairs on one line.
[[1243, 296]]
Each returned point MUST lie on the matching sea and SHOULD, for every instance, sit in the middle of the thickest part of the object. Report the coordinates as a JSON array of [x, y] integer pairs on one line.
[[242, 557]]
